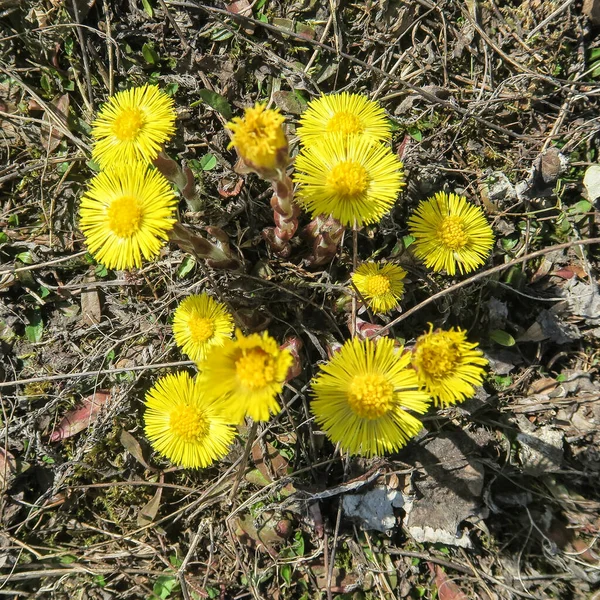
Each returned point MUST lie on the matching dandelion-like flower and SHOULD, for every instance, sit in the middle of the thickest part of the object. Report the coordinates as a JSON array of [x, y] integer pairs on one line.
[[260, 140], [127, 213], [250, 372], [447, 365], [349, 178], [381, 286], [133, 125], [361, 397], [347, 114], [185, 424], [199, 324], [450, 232]]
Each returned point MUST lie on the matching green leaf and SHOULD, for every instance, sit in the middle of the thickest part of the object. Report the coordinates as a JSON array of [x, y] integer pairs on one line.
[[286, 573], [581, 207], [407, 240], [35, 329], [149, 53], [208, 162], [415, 134], [220, 34], [13, 220], [3, 238], [187, 264], [171, 89], [164, 585], [25, 257], [148, 8], [216, 101], [502, 337], [67, 559], [45, 83]]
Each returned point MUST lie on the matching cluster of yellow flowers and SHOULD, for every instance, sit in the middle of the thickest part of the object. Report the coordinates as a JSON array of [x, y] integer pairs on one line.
[[364, 397], [129, 207], [190, 420]]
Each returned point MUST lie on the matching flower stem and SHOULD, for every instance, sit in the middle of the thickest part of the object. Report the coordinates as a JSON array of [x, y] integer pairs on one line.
[[285, 215]]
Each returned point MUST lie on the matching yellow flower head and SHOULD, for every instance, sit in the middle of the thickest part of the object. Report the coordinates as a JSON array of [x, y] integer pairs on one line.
[[260, 140], [362, 394], [127, 212], [185, 424], [380, 285], [133, 125], [199, 324], [347, 114], [450, 232], [250, 372], [349, 178], [447, 365]]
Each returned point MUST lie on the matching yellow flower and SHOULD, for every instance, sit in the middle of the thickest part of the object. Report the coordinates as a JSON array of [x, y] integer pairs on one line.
[[349, 178], [133, 125], [362, 395], [199, 324], [126, 213], [260, 140], [381, 286], [250, 372], [185, 424], [450, 232], [447, 365], [348, 114]]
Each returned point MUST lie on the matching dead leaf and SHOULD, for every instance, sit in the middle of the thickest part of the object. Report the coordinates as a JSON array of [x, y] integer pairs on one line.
[[133, 447], [50, 134], [229, 186], [591, 9], [91, 311], [447, 589], [149, 511], [80, 418], [272, 464], [8, 468], [243, 8]]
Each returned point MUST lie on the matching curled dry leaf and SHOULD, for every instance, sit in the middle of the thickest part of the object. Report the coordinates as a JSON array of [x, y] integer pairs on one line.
[[51, 134], [80, 418], [8, 468], [447, 589]]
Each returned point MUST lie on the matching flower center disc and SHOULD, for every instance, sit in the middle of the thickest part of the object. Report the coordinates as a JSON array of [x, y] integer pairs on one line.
[[128, 123], [346, 123], [438, 360], [255, 369], [124, 216], [188, 423], [201, 329], [370, 396], [348, 179], [452, 233], [377, 285]]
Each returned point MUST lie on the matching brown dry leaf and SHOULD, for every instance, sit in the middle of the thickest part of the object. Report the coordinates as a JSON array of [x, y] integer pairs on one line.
[[591, 9], [91, 311], [243, 8], [133, 447], [8, 468], [80, 418], [230, 185], [50, 135], [447, 589], [544, 385], [271, 464], [148, 512]]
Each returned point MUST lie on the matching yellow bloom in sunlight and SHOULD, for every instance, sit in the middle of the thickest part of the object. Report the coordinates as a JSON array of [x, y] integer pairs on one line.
[[249, 372], [185, 424], [450, 232], [381, 286], [447, 365], [127, 213], [260, 140], [133, 125], [361, 397], [349, 178], [348, 114], [199, 324]]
